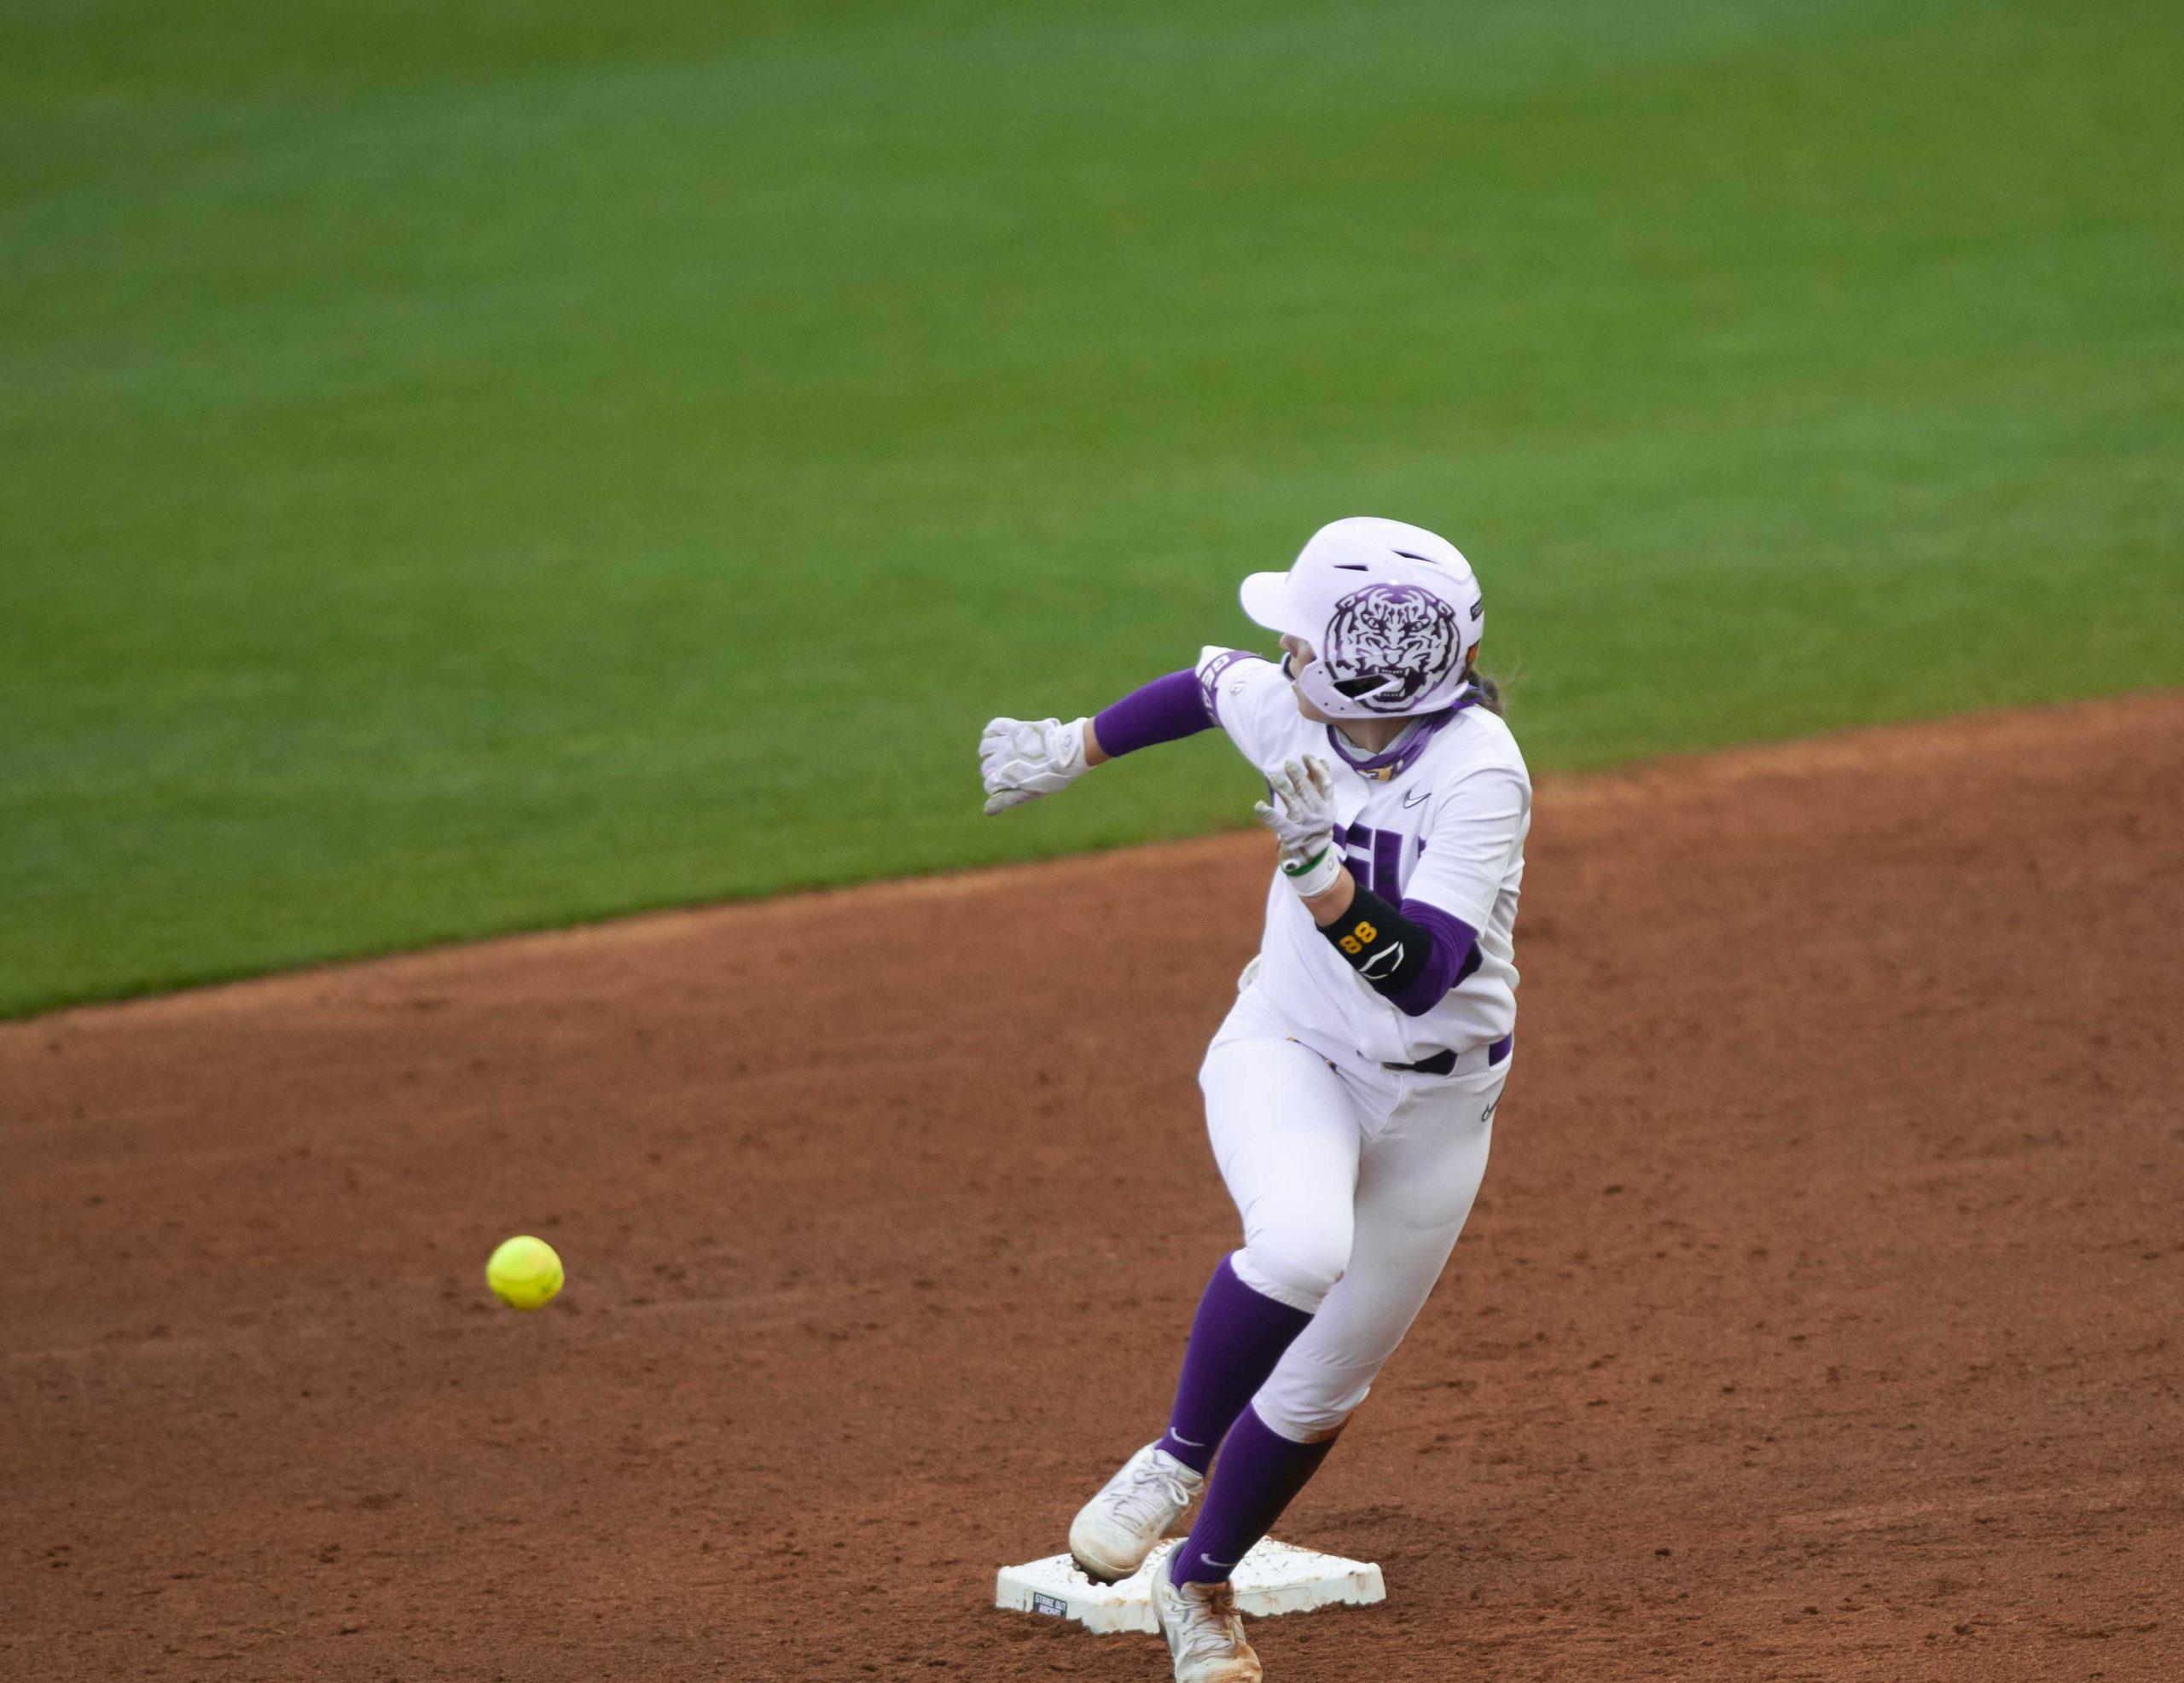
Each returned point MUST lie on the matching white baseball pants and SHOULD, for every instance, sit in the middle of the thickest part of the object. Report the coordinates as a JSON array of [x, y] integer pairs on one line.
[[1353, 1182]]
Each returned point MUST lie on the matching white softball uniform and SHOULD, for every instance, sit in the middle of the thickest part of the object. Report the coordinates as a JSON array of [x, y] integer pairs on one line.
[[1353, 1182], [1354, 1179], [1444, 822]]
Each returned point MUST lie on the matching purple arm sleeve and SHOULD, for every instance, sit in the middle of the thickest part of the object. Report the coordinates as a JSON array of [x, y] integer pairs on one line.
[[1164, 710], [1454, 957]]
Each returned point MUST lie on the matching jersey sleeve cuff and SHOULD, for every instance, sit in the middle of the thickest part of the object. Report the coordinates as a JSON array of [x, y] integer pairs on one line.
[[1215, 663]]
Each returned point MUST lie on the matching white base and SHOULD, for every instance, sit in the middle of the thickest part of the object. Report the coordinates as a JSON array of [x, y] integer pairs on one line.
[[1273, 1578]]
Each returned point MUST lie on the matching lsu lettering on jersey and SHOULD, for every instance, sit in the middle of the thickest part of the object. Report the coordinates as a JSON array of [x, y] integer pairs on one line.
[[1442, 818]]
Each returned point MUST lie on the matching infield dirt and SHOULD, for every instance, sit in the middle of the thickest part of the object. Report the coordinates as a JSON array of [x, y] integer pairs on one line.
[[1819, 1319]]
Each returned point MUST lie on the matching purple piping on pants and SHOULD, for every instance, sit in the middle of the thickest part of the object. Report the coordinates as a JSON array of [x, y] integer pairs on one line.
[[1167, 709]]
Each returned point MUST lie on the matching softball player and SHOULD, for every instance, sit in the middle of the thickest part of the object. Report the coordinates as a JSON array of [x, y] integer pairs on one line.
[[1350, 1095]]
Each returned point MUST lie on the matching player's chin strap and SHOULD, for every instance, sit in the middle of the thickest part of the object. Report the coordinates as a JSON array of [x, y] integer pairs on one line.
[[1391, 760]]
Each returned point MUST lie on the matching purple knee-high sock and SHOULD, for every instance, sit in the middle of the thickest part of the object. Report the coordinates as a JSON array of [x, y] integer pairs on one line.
[[1260, 1470], [1237, 1337]]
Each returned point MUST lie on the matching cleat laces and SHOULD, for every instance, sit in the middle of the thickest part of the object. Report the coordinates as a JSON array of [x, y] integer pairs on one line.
[[1211, 1629], [1152, 1496]]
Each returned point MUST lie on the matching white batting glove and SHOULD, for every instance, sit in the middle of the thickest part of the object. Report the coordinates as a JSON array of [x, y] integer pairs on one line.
[[1301, 815], [1022, 759]]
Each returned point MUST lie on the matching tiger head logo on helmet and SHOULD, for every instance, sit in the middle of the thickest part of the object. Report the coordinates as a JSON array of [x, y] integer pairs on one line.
[[1389, 644], [1392, 612]]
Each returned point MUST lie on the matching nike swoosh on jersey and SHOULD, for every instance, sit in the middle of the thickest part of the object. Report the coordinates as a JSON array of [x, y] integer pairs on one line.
[[1414, 797]]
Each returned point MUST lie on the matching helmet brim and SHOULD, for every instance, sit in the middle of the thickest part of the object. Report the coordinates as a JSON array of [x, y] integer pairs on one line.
[[1269, 601]]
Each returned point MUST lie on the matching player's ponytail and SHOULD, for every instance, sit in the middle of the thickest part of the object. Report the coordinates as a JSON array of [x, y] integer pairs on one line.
[[1490, 692]]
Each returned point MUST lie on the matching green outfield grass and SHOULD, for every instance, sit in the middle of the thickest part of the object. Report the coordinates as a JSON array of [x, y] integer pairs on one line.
[[472, 465]]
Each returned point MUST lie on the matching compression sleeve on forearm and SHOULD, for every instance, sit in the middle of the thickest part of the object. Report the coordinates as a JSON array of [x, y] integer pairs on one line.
[[1454, 956], [1164, 710], [1410, 956]]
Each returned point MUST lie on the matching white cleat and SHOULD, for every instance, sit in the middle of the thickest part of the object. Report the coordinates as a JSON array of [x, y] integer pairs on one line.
[[1206, 1636], [1113, 1532]]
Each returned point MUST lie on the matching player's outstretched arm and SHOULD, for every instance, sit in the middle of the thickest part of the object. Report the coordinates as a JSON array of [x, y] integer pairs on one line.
[[1022, 759]]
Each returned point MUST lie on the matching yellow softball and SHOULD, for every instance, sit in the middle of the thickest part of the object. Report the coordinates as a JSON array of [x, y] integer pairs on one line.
[[524, 1272]]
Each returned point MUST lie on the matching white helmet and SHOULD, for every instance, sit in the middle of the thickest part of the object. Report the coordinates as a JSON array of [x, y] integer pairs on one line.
[[1392, 611]]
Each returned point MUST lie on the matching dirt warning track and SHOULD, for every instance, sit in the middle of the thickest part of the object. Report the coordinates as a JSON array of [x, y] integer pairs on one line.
[[1820, 1317]]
